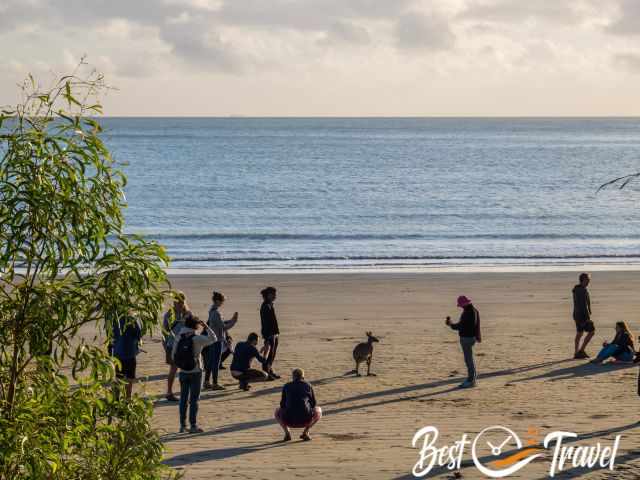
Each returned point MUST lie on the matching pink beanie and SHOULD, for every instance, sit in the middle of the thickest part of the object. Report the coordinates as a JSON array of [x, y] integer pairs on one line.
[[463, 301]]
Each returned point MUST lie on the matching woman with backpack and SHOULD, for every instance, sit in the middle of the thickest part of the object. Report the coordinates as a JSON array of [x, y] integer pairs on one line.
[[469, 331], [187, 350]]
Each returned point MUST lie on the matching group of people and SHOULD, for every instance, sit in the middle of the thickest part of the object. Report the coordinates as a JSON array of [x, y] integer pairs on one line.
[[197, 349], [621, 348]]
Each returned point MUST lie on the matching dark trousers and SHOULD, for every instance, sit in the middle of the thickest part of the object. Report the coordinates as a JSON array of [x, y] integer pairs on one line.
[[190, 384], [273, 349], [467, 344], [212, 362], [225, 355], [251, 375]]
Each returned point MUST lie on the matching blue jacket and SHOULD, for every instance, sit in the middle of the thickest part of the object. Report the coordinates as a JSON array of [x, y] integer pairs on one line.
[[126, 338]]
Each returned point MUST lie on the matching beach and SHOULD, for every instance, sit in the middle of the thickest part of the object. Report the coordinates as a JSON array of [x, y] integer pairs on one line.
[[528, 381]]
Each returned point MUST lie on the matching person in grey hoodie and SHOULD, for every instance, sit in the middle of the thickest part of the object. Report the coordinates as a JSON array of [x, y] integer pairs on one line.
[[213, 354], [191, 380]]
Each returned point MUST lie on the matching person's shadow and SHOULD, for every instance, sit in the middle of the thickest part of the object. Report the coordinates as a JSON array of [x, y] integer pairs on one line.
[[577, 371], [218, 454]]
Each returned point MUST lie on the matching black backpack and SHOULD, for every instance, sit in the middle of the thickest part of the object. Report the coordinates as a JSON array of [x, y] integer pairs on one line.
[[183, 356]]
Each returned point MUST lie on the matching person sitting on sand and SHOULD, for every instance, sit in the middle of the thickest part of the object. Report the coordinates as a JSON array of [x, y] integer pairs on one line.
[[172, 323], [270, 330], [469, 331], [213, 354], [187, 350], [621, 348], [298, 407], [582, 315], [243, 355]]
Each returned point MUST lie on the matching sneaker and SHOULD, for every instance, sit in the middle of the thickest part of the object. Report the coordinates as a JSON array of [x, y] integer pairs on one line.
[[244, 386], [581, 355], [195, 429], [206, 386], [216, 386], [171, 398], [467, 384], [305, 437], [183, 429], [274, 375]]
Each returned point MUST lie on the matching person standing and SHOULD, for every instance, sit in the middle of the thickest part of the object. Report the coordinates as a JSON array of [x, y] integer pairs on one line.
[[582, 315], [186, 353], [126, 346], [172, 323], [213, 354], [469, 331], [298, 407], [270, 330]]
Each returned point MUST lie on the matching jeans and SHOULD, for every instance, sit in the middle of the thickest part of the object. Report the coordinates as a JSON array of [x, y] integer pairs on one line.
[[467, 344], [273, 349], [190, 384], [212, 359], [613, 350]]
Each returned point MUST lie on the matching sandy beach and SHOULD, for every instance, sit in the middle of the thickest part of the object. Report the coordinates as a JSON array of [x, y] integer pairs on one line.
[[527, 380]]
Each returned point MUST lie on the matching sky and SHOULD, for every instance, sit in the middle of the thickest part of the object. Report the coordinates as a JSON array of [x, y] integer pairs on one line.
[[335, 57]]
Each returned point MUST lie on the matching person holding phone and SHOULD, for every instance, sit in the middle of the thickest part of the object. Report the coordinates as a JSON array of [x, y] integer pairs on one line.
[[468, 328]]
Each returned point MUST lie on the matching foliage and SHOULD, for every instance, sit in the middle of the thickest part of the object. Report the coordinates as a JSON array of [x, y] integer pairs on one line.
[[67, 270]]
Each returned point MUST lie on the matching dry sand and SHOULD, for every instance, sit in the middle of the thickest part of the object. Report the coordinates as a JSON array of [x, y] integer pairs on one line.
[[527, 378]]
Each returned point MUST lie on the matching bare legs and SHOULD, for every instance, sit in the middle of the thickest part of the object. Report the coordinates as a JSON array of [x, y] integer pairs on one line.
[[587, 339], [173, 370], [279, 415]]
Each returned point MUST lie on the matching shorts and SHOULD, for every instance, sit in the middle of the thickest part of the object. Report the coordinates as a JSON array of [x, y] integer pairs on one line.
[[280, 415], [127, 369], [586, 326]]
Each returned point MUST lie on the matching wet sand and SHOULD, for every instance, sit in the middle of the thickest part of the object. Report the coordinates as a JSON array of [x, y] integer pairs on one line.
[[527, 380]]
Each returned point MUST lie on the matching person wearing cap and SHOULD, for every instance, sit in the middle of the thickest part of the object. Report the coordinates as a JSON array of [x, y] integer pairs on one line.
[[172, 323], [468, 328], [298, 407]]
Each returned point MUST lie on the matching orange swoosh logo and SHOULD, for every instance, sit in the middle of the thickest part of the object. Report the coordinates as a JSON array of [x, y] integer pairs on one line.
[[511, 459]]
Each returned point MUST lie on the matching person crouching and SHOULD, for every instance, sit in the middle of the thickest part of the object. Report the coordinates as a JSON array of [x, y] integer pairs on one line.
[[298, 407], [243, 355]]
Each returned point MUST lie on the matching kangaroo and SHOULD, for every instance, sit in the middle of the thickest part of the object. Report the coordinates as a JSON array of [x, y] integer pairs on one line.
[[364, 352]]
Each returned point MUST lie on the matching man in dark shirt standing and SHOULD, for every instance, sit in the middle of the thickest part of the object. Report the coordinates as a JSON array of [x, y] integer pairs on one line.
[[270, 331], [298, 407], [582, 315], [243, 355]]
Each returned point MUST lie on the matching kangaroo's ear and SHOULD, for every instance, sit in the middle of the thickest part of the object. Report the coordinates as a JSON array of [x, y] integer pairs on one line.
[[368, 334]]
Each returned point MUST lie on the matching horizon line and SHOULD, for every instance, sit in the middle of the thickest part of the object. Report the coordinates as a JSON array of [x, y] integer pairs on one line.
[[390, 117]]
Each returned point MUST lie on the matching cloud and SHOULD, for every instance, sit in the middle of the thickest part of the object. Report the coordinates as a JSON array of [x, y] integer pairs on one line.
[[628, 19], [346, 33], [629, 62], [199, 44], [505, 11], [418, 31]]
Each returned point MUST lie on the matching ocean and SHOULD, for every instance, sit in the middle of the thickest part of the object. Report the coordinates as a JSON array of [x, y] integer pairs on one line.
[[285, 194]]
